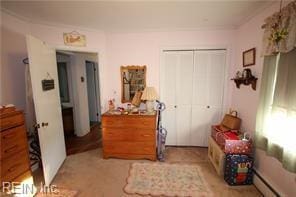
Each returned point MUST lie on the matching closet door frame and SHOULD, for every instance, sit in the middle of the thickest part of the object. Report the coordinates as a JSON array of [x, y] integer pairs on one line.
[[227, 83]]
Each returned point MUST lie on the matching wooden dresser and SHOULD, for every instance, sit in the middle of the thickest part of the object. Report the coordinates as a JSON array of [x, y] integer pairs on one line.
[[14, 158], [129, 136]]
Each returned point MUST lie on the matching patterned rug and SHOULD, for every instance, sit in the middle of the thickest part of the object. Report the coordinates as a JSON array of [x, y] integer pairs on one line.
[[161, 179]]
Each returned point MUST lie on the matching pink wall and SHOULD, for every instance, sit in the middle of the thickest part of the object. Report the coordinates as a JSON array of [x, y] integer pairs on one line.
[[13, 51], [144, 48], [245, 100]]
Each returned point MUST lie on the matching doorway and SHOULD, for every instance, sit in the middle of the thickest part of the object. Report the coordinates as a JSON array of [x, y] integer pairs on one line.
[[80, 103], [92, 92]]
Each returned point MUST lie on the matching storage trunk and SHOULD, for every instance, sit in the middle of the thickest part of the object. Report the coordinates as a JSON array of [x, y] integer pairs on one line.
[[216, 156]]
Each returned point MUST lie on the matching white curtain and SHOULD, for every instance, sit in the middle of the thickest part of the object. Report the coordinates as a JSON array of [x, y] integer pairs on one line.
[[276, 117]]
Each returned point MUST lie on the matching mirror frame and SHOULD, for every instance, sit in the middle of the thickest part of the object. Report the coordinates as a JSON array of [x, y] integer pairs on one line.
[[130, 67]]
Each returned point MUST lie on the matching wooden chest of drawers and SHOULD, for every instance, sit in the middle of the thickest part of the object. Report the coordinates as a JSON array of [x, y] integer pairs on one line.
[[14, 158], [129, 136]]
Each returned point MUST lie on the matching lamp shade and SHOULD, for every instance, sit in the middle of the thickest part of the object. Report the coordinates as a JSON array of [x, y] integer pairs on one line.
[[149, 94]]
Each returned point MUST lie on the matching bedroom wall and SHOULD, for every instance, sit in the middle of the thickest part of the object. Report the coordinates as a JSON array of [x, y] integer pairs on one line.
[[245, 100], [13, 31], [125, 48], [144, 48], [13, 51]]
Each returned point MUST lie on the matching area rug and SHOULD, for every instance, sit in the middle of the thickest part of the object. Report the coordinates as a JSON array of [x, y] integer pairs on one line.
[[161, 179], [60, 192]]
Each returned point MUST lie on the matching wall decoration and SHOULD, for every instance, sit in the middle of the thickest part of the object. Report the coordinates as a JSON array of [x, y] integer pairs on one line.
[[74, 39], [133, 80], [48, 83], [249, 57], [245, 78]]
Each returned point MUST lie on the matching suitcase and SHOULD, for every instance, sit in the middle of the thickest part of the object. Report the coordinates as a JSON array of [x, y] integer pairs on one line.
[[238, 169]]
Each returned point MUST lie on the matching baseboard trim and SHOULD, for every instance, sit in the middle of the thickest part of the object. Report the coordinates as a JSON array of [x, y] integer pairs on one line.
[[263, 186]]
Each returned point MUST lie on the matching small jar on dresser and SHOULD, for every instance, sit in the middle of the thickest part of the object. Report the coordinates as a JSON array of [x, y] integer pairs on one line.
[[14, 157]]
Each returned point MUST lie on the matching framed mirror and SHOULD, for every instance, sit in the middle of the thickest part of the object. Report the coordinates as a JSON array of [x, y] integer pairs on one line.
[[133, 79]]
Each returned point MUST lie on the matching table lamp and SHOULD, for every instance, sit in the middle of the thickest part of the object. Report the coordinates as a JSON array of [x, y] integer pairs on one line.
[[150, 95]]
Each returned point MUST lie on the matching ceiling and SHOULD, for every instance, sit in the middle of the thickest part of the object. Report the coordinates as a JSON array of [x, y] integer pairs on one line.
[[138, 15]]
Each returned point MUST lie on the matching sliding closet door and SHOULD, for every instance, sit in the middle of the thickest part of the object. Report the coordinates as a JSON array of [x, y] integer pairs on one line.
[[208, 89], [176, 93], [168, 95], [184, 80]]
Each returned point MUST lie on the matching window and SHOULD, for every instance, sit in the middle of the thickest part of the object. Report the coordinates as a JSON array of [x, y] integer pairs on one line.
[[276, 118]]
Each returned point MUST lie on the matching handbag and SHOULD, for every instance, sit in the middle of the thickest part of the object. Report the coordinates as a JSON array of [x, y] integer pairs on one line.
[[231, 121]]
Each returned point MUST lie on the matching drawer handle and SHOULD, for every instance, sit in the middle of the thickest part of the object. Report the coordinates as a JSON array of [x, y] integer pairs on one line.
[[11, 149], [146, 135], [12, 168]]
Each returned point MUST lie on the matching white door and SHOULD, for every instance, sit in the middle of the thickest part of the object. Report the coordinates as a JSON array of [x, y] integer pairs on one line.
[[168, 94], [176, 92], [192, 87], [208, 90], [184, 97], [42, 60], [91, 91]]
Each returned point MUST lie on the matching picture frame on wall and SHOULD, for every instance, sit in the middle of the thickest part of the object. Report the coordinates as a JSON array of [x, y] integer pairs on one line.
[[249, 57]]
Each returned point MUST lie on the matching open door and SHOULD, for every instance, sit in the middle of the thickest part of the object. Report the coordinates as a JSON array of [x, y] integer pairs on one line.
[[42, 60]]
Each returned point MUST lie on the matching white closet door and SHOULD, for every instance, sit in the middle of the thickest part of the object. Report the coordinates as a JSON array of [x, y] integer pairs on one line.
[[168, 95], [184, 81], [176, 92], [208, 89], [200, 98]]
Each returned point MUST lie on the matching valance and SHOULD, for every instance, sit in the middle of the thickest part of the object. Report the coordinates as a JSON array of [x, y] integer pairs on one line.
[[280, 31]]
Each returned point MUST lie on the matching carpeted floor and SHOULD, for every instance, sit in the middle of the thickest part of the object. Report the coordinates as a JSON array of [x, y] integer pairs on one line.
[[94, 176]]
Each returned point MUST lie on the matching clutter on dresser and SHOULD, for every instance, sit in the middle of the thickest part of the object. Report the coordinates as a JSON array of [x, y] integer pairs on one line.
[[111, 104], [246, 78]]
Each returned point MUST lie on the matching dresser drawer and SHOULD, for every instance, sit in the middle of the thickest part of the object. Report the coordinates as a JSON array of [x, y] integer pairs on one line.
[[11, 121], [13, 141], [128, 134], [13, 166], [129, 122], [129, 147]]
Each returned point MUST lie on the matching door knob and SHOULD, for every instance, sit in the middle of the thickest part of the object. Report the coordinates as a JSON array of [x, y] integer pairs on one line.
[[44, 124]]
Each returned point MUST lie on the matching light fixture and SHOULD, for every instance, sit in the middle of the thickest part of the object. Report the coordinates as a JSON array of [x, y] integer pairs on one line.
[[149, 95]]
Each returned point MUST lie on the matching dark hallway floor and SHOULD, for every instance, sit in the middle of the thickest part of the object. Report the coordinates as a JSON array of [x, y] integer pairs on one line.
[[92, 140]]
